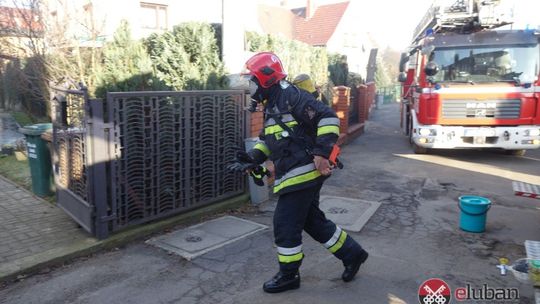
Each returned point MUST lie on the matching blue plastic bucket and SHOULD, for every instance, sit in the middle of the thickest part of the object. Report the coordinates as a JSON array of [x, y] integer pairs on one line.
[[473, 213]]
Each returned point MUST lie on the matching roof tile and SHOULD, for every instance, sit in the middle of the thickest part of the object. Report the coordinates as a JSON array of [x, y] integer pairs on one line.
[[319, 29]]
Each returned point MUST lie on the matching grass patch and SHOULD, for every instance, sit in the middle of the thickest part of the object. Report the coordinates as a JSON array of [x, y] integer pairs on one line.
[[16, 171], [19, 173], [22, 118]]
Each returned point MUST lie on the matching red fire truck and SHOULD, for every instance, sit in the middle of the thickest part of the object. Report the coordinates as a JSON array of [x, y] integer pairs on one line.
[[467, 83]]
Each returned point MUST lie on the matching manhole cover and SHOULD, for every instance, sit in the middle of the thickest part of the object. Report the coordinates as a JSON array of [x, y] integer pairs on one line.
[[193, 239], [199, 239], [350, 214], [337, 210]]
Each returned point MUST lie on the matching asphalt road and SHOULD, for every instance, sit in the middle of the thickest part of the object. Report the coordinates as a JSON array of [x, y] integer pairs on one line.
[[414, 236]]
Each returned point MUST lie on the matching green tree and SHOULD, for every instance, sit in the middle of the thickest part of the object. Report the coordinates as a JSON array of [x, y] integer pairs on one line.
[[187, 57], [338, 69], [297, 57], [126, 66], [387, 68]]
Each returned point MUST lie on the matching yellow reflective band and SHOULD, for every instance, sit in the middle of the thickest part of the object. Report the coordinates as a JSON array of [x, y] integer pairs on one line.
[[327, 130], [277, 128], [339, 243], [290, 258], [263, 148], [297, 180]]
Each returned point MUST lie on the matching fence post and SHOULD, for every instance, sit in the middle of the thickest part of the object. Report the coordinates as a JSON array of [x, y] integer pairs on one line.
[[362, 103], [340, 104], [98, 157]]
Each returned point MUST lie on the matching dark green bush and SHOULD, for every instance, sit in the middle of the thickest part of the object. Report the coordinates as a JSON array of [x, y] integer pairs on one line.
[[126, 66], [187, 58]]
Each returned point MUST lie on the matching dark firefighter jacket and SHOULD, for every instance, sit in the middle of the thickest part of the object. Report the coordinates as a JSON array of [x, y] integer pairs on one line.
[[315, 127]]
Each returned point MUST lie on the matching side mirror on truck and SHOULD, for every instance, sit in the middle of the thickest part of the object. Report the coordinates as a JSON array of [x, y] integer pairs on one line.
[[431, 68], [403, 62], [402, 77]]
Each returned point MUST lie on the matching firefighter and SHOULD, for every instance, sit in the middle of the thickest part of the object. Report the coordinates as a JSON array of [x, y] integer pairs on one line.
[[303, 81], [298, 136]]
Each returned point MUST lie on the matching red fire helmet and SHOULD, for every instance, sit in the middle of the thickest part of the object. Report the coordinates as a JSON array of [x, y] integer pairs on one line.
[[266, 67]]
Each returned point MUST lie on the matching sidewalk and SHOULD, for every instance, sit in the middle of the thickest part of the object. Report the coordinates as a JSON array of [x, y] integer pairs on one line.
[[32, 231], [35, 234]]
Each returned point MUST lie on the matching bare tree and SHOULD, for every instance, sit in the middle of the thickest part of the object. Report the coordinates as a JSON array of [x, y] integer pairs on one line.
[[38, 39]]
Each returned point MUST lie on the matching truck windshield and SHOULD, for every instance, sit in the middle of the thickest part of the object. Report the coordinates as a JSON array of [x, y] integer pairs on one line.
[[514, 63]]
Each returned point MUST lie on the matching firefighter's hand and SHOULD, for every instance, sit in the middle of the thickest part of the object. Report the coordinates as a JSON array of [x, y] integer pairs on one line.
[[323, 165], [243, 162]]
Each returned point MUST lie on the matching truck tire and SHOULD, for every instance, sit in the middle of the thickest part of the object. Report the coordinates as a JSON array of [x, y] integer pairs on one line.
[[416, 148], [419, 150], [515, 152]]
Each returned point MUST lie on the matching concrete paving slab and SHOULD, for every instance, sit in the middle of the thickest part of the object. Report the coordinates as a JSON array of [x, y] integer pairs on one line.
[[199, 239], [349, 213]]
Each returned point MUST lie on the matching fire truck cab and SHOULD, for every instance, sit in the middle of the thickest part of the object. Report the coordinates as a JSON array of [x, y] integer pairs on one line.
[[467, 84]]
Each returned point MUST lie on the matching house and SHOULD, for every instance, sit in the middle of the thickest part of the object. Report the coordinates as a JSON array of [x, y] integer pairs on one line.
[[84, 20], [334, 25], [21, 32]]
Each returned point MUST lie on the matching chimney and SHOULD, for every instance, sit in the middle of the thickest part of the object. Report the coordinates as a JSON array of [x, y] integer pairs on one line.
[[310, 8]]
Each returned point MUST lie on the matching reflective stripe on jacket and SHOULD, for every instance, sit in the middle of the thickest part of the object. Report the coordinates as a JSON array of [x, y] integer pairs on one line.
[[316, 128]]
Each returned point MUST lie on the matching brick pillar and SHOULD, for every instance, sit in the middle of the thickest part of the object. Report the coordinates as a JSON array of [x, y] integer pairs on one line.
[[256, 124], [340, 104], [362, 103]]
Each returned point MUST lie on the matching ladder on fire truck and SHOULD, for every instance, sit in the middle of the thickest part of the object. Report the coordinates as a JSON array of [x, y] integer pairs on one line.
[[463, 16]]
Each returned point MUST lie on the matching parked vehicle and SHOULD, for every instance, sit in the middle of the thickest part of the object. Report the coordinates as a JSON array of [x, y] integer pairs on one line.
[[467, 83]]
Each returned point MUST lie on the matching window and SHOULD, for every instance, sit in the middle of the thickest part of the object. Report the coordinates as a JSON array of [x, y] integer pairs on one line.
[[497, 63], [154, 16]]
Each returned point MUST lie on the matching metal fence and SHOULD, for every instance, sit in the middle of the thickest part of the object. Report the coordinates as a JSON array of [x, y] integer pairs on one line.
[[148, 155], [69, 154]]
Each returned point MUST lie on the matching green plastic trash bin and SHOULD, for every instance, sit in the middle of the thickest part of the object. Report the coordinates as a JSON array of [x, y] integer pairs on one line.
[[39, 158]]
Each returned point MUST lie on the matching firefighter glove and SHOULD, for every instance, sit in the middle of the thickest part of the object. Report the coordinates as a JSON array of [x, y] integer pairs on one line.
[[242, 163], [258, 173]]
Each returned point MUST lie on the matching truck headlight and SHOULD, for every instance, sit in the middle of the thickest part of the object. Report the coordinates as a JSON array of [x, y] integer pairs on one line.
[[427, 132], [533, 132]]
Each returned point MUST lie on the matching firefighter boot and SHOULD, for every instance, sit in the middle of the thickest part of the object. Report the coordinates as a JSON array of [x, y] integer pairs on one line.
[[352, 268], [282, 282]]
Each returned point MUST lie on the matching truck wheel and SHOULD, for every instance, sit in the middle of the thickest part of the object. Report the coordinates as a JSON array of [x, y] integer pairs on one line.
[[515, 152], [419, 150]]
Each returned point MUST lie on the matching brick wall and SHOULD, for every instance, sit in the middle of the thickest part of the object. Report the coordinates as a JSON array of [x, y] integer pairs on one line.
[[340, 104], [256, 124]]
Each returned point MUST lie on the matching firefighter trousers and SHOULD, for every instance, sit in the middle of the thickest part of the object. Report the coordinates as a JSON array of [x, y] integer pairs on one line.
[[297, 211]]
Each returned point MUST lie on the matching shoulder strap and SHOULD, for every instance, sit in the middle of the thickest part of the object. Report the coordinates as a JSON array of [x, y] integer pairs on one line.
[[277, 119]]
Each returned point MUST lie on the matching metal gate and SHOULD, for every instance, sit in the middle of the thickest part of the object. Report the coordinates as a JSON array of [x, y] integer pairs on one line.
[[153, 154], [70, 154]]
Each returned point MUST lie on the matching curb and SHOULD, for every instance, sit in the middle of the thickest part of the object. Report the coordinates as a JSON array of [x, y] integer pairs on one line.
[[54, 257]]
